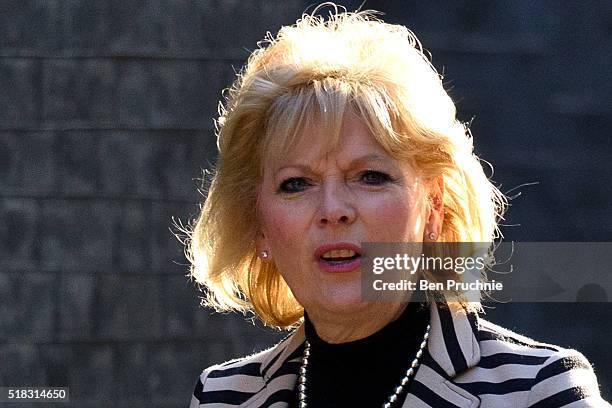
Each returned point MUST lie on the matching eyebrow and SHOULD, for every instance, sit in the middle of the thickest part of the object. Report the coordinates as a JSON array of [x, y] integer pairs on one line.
[[354, 163]]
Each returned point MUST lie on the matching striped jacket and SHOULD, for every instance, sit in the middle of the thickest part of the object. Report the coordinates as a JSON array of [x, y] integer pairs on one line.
[[469, 362]]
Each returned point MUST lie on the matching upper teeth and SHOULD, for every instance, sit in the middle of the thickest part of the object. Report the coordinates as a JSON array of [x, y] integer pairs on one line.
[[339, 253]]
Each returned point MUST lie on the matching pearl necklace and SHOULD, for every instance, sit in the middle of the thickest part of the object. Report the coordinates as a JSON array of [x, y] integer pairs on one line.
[[390, 400]]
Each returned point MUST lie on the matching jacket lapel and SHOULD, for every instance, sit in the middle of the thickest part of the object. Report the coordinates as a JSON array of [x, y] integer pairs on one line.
[[279, 371], [452, 349]]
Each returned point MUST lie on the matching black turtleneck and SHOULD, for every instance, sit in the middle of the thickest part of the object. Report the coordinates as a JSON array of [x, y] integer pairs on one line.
[[365, 372]]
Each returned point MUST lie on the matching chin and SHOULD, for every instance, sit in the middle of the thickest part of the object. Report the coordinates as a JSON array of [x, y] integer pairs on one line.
[[343, 300], [346, 307]]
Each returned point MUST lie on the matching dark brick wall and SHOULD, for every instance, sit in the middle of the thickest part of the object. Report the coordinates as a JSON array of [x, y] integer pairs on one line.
[[106, 121]]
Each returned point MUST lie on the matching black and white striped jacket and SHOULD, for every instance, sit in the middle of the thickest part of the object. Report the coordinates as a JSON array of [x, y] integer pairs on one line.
[[470, 362]]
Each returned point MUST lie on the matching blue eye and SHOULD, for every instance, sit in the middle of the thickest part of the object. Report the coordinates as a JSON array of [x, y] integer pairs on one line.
[[293, 185], [375, 177], [299, 184]]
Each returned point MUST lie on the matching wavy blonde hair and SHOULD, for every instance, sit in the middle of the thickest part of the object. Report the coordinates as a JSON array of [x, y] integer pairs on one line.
[[324, 67]]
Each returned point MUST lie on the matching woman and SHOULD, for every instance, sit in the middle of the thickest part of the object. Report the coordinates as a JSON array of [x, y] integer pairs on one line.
[[337, 133]]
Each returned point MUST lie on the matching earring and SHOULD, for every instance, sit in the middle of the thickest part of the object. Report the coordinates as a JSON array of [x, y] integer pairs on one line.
[[264, 254], [435, 200], [432, 236]]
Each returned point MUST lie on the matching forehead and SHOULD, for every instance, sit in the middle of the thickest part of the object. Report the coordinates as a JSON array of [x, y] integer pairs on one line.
[[315, 147], [316, 141], [317, 119]]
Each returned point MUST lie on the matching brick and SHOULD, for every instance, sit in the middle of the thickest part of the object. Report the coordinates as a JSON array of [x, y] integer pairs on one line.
[[76, 306], [253, 337], [545, 208], [208, 324], [529, 215], [578, 80], [28, 307], [434, 16], [20, 366], [137, 164], [132, 358], [77, 235], [167, 371], [582, 200], [29, 25], [79, 163], [517, 18], [172, 28], [523, 27], [125, 168], [174, 367], [243, 337], [18, 233], [132, 246], [130, 28], [171, 93], [79, 92], [27, 162], [166, 251], [128, 307], [88, 26], [584, 23], [18, 100], [180, 305], [234, 27], [168, 28], [491, 86], [205, 353], [162, 28], [117, 26], [180, 159], [86, 368], [153, 163], [181, 28]]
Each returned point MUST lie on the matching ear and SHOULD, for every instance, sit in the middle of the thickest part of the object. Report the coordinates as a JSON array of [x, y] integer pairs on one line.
[[261, 243], [435, 218]]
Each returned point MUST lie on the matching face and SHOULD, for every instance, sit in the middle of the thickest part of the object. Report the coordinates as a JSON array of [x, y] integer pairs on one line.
[[315, 201]]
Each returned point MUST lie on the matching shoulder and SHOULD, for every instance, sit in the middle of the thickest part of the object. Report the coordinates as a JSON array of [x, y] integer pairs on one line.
[[540, 374], [235, 381], [232, 382]]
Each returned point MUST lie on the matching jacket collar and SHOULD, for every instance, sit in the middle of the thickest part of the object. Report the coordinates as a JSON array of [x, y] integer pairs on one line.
[[453, 342], [452, 348]]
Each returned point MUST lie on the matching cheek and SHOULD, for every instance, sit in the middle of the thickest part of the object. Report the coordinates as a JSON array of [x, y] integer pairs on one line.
[[396, 219], [285, 233], [282, 226]]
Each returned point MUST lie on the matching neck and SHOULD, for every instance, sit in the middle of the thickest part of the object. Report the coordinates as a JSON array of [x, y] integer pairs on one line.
[[334, 328]]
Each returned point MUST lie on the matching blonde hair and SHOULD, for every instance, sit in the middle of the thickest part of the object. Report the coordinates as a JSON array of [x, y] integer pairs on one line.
[[320, 67]]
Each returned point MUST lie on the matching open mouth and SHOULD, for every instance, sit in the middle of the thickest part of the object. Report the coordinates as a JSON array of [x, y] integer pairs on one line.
[[339, 256]]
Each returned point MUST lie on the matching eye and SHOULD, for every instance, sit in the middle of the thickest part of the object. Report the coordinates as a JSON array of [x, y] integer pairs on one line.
[[373, 177], [293, 185]]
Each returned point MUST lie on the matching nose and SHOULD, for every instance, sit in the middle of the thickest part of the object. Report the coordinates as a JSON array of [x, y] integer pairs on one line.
[[337, 205]]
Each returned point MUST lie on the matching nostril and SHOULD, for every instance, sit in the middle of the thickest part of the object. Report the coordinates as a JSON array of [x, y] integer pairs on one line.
[[344, 216]]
